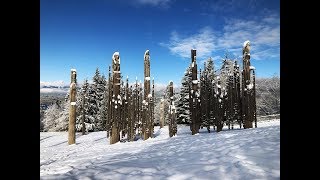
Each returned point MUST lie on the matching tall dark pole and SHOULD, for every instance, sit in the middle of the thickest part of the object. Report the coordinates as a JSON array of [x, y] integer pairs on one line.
[[147, 96], [247, 112], [72, 110], [194, 99], [116, 98]]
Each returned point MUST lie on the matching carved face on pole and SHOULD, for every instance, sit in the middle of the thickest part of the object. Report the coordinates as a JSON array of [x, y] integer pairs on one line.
[[147, 57], [246, 47], [116, 62]]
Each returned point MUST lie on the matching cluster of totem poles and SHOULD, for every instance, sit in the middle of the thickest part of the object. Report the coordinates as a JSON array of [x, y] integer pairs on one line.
[[223, 99], [218, 100], [130, 109]]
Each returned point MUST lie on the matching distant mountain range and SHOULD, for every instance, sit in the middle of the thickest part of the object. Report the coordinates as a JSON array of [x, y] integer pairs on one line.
[[61, 87]]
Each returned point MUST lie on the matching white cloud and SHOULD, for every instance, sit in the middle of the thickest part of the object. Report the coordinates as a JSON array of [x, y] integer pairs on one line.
[[263, 33], [161, 3], [204, 42]]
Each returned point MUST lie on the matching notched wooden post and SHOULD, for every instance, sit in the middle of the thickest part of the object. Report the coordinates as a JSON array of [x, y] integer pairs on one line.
[[72, 110]]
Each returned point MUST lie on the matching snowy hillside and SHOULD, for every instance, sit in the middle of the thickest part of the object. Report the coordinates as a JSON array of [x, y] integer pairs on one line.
[[229, 154]]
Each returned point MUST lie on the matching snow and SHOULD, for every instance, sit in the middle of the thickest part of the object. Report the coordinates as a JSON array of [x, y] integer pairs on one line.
[[114, 54], [74, 70], [192, 65], [250, 86], [73, 103], [145, 53], [245, 43], [149, 95], [147, 78], [195, 81], [230, 154], [252, 67]]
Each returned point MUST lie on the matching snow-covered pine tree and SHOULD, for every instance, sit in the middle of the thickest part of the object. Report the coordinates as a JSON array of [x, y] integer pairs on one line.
[[183, 109], [99, 84], [92, 107], [50, 117], [83, 108], [204, 96], [63, 120], [210, 79]]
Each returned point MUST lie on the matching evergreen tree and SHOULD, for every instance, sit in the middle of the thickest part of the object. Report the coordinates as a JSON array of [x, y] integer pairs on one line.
[[83, 107], [183, 112], [50, 117], [207, 94]]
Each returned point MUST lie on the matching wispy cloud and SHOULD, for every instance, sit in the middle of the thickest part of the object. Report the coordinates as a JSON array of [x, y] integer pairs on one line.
[[204, 42], [158, 3], [263, 33]]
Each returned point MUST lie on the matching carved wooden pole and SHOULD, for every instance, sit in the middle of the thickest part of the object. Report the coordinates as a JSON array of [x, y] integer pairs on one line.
[[152, 99], [238, 107], [247, 116], [254, 97], [172, 111], [194, 105], [83, 112], [220, 106], [147, 97], [161, 113], [109, 117], [140, 106], [72, 110], [115, 135]]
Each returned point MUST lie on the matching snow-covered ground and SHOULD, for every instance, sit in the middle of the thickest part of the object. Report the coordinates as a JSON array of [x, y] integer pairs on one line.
[[230, 154]]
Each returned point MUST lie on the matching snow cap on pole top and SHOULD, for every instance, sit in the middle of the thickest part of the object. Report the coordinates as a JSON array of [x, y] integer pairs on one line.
[[73, 70], [114, 54], [245, 43], [147, 52]]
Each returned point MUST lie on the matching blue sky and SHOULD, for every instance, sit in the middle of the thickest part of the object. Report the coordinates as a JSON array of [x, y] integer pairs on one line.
[[83, 34]]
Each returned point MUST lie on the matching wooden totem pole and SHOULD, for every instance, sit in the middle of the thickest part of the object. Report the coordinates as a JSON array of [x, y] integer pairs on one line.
[[72, 110], [161, 113], [247, 88], [147, 96], [152, 99], [172, 113], [109, 119], [237, 105], [194, 96], [116, 98]]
